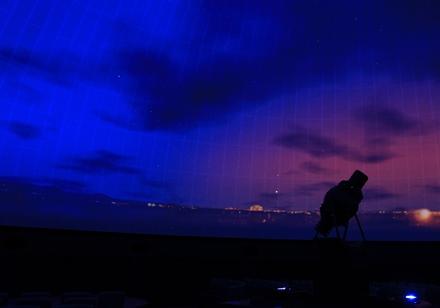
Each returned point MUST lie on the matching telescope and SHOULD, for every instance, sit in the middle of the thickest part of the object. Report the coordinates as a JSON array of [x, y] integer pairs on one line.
[[341, 203]]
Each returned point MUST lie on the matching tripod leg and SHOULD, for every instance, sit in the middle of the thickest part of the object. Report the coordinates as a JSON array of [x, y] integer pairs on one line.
[[336, 227], [316, 235], [337, 232], [345, 232], [360, 227]]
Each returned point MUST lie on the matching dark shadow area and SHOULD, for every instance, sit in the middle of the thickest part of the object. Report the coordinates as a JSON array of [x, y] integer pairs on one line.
[[166, 269]]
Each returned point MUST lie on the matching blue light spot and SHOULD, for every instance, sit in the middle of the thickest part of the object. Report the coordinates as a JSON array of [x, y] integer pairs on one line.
[[282, 288], [411, 297]]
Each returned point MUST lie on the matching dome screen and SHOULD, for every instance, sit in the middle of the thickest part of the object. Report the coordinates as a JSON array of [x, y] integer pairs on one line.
[[219, 118]]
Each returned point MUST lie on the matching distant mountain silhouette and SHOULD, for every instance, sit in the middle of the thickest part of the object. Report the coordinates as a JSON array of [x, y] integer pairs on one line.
[[16, 191]]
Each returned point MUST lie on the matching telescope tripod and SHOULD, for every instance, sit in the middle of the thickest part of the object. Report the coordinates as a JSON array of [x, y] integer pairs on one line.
[[346, 229]]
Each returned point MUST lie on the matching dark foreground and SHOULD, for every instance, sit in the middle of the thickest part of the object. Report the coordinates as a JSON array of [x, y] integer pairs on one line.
[[209, 271]]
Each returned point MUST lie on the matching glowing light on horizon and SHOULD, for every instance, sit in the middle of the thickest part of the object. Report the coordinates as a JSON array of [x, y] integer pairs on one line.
[[423, 215], [256, 208]]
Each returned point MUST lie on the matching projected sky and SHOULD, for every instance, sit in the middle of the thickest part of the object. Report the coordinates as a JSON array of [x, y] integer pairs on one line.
[[223, 103]]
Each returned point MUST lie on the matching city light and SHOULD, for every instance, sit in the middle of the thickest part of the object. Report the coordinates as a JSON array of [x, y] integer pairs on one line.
[[423, 215], [256, 208]]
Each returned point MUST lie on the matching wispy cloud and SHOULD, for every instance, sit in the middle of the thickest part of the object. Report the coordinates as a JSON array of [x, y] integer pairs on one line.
[[307, 190], [320, 146], [383, 123], [379, 194], [57, 69], [25, 131], [102, 161], [314, 168], [432, 188]]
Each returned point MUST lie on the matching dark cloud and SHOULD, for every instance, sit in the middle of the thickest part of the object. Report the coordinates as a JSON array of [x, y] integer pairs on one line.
[[100, 162], [314, 167], [291, 172], [309, 43], [56, 68], [24, 131], [165, 99], [320, 188], [119, 121], [313, 144], [379, 194], [227, 55], [383, 124], [323, 147], [377, 156], [432, 188], [381, 121]]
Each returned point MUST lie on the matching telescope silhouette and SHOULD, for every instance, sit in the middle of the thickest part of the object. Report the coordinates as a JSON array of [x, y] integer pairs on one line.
[[341, 203]]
